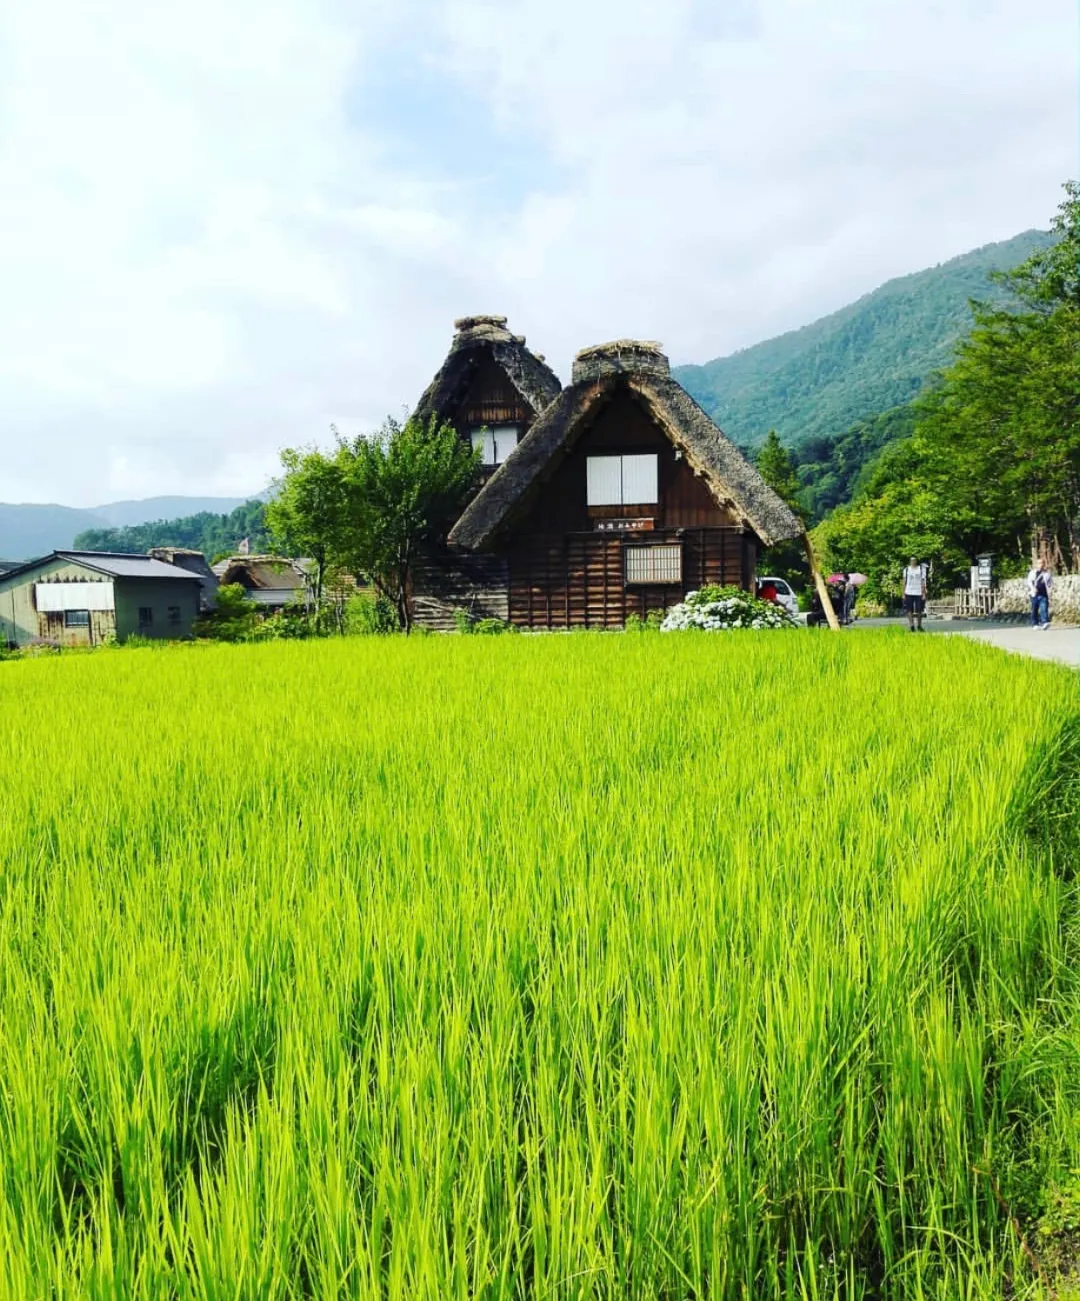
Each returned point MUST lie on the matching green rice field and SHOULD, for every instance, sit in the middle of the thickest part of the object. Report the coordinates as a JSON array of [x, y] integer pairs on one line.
[[594, 966]]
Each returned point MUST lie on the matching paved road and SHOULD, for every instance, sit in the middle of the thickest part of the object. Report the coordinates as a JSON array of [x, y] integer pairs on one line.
[[1054, 644]]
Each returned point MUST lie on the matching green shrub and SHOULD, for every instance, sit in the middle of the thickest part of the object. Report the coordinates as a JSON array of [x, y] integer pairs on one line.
[[466, 624], [652, 622], [232, 618], [369, 614]]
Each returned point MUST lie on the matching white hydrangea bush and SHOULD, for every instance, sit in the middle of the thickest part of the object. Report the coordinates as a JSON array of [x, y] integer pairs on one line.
[[715, 609]]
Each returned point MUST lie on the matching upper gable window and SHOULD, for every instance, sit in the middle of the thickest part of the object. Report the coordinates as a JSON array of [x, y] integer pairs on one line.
[[622, 480], [494, 443]]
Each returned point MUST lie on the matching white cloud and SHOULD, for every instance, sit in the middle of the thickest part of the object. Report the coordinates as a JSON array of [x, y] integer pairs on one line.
[[208, 250]]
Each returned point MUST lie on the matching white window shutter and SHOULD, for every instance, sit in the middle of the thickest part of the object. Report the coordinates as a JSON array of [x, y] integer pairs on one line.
[[484, 441], [505, 441], [604, 480], [639, 480]]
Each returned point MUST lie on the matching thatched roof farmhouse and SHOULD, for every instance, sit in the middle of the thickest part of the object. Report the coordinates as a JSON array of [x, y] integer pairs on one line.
[[614, 496]]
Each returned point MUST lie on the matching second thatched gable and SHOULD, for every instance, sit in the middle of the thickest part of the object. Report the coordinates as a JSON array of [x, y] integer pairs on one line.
[[488, 372]]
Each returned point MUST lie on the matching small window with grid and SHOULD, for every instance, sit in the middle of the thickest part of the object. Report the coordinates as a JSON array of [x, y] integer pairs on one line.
[[174, 614], [656, 564], [146, 616], [76, 618]]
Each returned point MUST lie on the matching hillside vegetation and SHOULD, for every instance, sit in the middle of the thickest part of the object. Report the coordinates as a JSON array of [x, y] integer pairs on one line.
[[210, 533], [34, 529], [671, 996], [867, 358], [992, 463]]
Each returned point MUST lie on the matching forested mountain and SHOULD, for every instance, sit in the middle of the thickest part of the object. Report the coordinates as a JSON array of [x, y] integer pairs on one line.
[[212, 534], [34, 529], [868, 358], [833, 470]]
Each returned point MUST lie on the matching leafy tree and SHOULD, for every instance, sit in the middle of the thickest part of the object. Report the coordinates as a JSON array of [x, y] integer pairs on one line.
[[834, 469], [898, 516], [994, 460], [232, 618], [1001, 435], [776, 467], [308, 514], [404, 487]]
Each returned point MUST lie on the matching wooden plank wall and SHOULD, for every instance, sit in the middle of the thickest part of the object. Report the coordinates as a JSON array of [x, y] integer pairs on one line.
[[453, 581], [51, 628], [491, 399], [576, 580]]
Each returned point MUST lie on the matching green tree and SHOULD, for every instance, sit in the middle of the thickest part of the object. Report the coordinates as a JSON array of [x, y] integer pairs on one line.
[[404, 486], [898, 516], [993, 463], [1001, 435], [776, 467], [308, 515], [232, 618]]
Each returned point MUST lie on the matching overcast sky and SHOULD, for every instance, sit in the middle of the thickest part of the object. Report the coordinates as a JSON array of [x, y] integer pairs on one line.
[[225, 224]]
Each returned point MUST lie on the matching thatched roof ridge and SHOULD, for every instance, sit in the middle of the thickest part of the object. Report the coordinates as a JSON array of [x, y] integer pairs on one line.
[[620, 357], [476, 336], [732, 479]]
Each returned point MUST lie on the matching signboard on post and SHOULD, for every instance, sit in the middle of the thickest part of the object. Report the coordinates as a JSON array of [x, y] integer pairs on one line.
[[985, 572]]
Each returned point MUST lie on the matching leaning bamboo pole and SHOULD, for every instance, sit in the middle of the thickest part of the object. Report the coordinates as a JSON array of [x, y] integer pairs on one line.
[[819, 583]]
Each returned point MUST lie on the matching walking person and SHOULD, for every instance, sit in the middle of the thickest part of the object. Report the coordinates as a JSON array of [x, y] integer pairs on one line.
[[849, 600], [1039, 582], [914, 594]]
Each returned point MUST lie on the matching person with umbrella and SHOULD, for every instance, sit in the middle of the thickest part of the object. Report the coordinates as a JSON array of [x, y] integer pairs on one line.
[[846, 585], [854, 582]]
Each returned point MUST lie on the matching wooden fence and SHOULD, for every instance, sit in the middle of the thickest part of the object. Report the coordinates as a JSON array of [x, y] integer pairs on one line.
[[975, 605]]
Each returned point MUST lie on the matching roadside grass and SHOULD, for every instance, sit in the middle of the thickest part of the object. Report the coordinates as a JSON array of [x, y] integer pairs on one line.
[[592, 967]]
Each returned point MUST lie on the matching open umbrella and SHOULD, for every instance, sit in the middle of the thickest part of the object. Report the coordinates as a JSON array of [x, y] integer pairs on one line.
[[835, 578], [856, 580]]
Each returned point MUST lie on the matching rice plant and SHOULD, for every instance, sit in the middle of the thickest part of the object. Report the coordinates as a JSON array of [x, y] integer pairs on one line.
[[568, 967]]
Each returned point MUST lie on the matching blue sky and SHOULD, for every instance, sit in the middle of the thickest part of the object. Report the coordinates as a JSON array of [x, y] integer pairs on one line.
[[225, 225]]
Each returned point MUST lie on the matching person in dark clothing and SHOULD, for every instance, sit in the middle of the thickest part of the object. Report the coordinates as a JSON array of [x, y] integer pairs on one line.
[[1039, 583]]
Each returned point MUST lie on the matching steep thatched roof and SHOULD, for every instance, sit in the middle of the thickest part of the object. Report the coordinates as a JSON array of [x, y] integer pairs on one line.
[[475, 338], [642, 370]]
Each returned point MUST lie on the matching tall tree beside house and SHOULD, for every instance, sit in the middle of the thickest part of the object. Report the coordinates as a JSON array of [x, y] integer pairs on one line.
[[776, 466], [405, 485], [308, 515]]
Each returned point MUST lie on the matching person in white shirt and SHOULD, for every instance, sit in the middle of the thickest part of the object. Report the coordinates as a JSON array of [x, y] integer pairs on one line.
[[914, 594], [1039, 582]]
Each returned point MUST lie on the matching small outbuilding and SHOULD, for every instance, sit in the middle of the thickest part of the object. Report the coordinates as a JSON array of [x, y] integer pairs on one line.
[[82, 598], [272, 582], [195, 563]]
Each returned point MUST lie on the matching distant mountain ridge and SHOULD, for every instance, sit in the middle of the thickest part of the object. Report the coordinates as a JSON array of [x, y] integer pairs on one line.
[[867, 358], [28, 529]]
